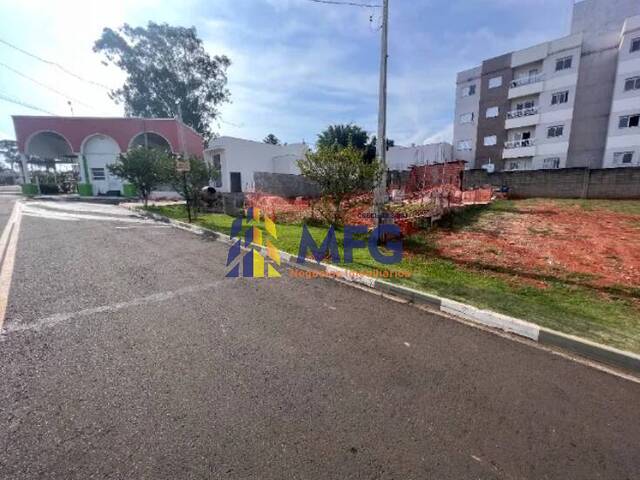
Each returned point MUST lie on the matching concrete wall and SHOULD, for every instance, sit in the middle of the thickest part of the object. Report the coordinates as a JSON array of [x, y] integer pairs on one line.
[[611, 183], [596, 17], [285, 185], [593, 101]]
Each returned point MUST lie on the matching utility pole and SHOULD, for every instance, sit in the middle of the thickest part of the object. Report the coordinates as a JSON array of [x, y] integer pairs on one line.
[[380, 192]]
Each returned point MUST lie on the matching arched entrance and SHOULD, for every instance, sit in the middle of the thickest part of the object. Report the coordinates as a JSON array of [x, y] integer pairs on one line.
[[99, 151], [51, 161], [150, 140]]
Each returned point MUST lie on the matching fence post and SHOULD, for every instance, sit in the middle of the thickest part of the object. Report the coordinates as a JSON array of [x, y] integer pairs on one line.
[[586, 182]]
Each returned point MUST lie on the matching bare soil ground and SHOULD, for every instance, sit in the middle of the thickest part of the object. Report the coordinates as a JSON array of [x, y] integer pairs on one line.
[[584, 242]]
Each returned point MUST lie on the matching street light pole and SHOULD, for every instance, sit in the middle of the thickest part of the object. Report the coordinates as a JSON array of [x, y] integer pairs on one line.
[[380, 192]]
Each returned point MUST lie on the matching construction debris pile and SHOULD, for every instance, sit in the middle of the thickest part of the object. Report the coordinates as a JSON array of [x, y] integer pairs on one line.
[[429, 192]]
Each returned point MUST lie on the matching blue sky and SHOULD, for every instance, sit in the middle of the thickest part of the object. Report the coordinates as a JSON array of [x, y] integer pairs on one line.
[[297, 66]]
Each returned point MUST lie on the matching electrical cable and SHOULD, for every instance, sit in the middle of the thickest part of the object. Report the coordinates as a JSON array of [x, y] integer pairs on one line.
[[68, 97], [55, 64], [24, 104]]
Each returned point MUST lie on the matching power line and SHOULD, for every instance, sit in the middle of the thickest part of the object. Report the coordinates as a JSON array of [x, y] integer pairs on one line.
[[24, 104], [44, 85], [350, 4], [55, 64]]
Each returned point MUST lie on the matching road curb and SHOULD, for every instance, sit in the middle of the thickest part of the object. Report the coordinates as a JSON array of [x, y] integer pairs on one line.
[[550, 338]]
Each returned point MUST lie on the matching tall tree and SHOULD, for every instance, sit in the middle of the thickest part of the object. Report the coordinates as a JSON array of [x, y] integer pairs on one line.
[[343, 136], [271, 139], [166, 66], [352, 135]]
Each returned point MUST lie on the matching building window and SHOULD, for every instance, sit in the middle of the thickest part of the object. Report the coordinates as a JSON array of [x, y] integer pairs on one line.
[[555, 131], [469, 91], [514, 165], [495, 82], [493, 112], [217, 168], [560, 97], [629, 121], [563, 63], [490, 141], [526, 105], [635, 45], [552, 162], [632, 83], [623, 158], [464, 145], [97, 173], [466, 118]]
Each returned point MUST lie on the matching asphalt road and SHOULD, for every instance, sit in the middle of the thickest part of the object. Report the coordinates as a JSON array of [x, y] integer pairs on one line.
[[126, 354]]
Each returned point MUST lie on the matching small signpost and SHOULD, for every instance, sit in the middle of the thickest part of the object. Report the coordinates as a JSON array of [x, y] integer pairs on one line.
[[182, 166]]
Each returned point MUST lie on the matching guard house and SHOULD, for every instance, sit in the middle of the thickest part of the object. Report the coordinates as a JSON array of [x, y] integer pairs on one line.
[[95, 142]]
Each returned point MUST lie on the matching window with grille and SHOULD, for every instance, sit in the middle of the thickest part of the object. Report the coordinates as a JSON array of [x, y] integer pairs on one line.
[[466, 118], [464, 145], [495, 82], [551, 162], [629, 121], [217, 167], [632, 83], [564, 63], [469, 90], [555, 131], [560, 97], [490, 141], [98, 174], [493, 112], [623, 158]]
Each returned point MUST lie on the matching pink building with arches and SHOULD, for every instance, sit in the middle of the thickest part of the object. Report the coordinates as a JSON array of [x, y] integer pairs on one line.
[[95, 142]]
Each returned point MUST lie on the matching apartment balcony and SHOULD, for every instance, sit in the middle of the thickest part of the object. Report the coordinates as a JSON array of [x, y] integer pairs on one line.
[[522, 118], [525, 86], [519, 148]]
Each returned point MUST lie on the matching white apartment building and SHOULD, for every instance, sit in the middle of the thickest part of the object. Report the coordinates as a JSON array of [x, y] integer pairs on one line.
[[570, 102]]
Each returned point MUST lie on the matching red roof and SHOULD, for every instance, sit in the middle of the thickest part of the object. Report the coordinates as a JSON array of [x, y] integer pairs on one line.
[[76, 130]]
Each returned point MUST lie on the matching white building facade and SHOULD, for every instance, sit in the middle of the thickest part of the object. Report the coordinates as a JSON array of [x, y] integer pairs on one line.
[[237, 160], [401, 158]]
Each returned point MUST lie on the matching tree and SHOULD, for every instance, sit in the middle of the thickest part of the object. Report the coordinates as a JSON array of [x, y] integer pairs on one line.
[[190, 184], [350, 135], [144, 168], [343, 136], [9, 153], [166, 66], [339, 172], [271, 139]]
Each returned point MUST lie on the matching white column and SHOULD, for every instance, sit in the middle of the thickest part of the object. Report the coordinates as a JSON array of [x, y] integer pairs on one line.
[[26, 177]]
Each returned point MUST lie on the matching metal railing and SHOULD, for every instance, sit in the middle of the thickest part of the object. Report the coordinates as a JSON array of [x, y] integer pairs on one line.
[[527, 142], [522, 112], [519, 82]]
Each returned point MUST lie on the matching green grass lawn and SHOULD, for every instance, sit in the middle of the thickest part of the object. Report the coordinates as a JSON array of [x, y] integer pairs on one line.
[[577, 310]]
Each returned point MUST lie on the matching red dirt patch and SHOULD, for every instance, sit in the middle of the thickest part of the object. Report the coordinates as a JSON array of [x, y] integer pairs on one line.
[[599, 248]]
